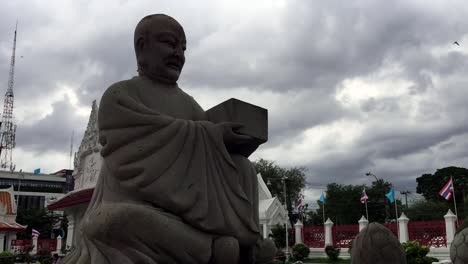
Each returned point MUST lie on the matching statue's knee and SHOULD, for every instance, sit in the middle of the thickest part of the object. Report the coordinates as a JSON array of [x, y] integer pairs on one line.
[[225, 250]]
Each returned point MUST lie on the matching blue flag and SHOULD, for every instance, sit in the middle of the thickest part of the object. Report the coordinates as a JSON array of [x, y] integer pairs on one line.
[[37, 171], [391, 195], [322, 198]]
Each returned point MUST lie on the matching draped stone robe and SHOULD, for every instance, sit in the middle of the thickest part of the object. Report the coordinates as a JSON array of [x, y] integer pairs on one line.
[[168, 186]]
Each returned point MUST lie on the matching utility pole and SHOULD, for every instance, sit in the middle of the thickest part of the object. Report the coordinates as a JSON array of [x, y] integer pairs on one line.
[[287, 216], [405, 193]]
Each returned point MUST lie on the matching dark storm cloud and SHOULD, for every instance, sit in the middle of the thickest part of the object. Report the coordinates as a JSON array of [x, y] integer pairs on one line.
[[53, 132], [318, 45], [293, 119]]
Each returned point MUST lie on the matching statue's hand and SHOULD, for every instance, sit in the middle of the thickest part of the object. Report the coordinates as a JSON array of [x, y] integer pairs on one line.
[[231, 135]]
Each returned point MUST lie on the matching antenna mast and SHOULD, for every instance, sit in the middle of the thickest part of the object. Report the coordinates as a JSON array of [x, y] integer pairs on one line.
[[7, 128], [71, 149]]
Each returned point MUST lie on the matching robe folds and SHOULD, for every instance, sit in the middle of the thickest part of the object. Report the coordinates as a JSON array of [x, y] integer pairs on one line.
[[164, 169]]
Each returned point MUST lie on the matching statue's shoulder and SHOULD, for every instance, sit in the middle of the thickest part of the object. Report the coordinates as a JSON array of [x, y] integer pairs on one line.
[[118, 89]]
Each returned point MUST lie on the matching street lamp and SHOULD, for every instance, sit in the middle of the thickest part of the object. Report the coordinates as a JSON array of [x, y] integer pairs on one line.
[[370, 174]]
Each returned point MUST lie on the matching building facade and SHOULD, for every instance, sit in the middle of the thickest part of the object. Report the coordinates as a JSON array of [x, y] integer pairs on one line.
[[34, 190]]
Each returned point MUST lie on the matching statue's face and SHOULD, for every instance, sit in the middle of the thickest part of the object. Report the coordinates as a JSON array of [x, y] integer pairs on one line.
[[163, 52]]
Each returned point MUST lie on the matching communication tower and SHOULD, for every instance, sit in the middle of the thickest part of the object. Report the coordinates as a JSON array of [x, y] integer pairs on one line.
[[7, 127]]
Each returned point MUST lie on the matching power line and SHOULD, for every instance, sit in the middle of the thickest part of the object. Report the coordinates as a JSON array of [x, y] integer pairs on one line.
[[405, 193]]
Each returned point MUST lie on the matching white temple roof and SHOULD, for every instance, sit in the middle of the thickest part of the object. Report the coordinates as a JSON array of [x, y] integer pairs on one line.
[[263, 192]]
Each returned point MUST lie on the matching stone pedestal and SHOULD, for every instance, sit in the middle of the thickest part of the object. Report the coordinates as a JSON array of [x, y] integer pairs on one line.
[[59, 244], [328, 232], [298, 231], [403, 228], [450, 219], [34, 242], [363, 222]]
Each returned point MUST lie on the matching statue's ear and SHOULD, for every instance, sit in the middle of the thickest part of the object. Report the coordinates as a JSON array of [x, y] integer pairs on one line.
[[140, 43]]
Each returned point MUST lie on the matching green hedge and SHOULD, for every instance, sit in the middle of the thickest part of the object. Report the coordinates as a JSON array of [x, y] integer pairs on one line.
[[7, 258], [416, 254], [300, 252]]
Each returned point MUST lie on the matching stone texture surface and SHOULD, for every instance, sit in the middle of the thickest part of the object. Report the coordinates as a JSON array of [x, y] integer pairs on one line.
[[169, 189], [375, 244], [253, 118], [459, 248]]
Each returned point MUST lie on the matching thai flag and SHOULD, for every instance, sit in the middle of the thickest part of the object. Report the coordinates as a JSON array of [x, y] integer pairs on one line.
[[299, 202], [447, 191], [364, 196], [35, 233]]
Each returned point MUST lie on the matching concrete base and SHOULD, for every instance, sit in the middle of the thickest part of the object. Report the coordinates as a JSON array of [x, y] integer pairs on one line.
[[320, 253], [440, 253]]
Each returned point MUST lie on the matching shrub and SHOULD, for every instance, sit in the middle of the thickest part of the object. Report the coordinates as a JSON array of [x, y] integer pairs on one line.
[[44, 259], [280, 257], [300, 252], [24, 254], [278, 235], [7, 258], [416, 254], [332, 252]]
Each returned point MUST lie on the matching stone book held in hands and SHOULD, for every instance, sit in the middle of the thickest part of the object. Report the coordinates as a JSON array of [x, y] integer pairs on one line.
[[253, 118]]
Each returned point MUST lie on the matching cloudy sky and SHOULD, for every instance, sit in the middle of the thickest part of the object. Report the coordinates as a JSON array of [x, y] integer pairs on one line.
[[351, 86]]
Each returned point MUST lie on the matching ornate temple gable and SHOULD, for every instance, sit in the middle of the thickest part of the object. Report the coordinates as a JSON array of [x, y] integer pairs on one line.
[[263, 191], [88, 158]]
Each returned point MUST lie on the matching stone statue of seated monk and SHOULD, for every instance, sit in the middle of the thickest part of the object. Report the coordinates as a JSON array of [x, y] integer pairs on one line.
[[169, 191]]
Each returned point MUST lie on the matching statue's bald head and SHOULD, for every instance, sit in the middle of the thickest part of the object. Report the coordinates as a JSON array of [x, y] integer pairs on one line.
[[159, 39], [156, 22]]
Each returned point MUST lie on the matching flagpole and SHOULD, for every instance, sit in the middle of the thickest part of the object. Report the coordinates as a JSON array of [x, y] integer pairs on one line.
[[396, 214], [323, 211], [455, 202], [396, 219], [367, 212], [392, 195], [302, 229]]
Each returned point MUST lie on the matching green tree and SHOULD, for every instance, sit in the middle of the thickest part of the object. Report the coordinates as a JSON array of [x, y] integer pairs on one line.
[[278, 234], [427, 210], [343, 203], [380, 208], [40, 219], [313, 217], [429, 186], [273, 174]]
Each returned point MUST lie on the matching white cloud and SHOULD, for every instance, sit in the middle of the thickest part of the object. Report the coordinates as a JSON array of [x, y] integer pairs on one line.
[[48, 162]]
